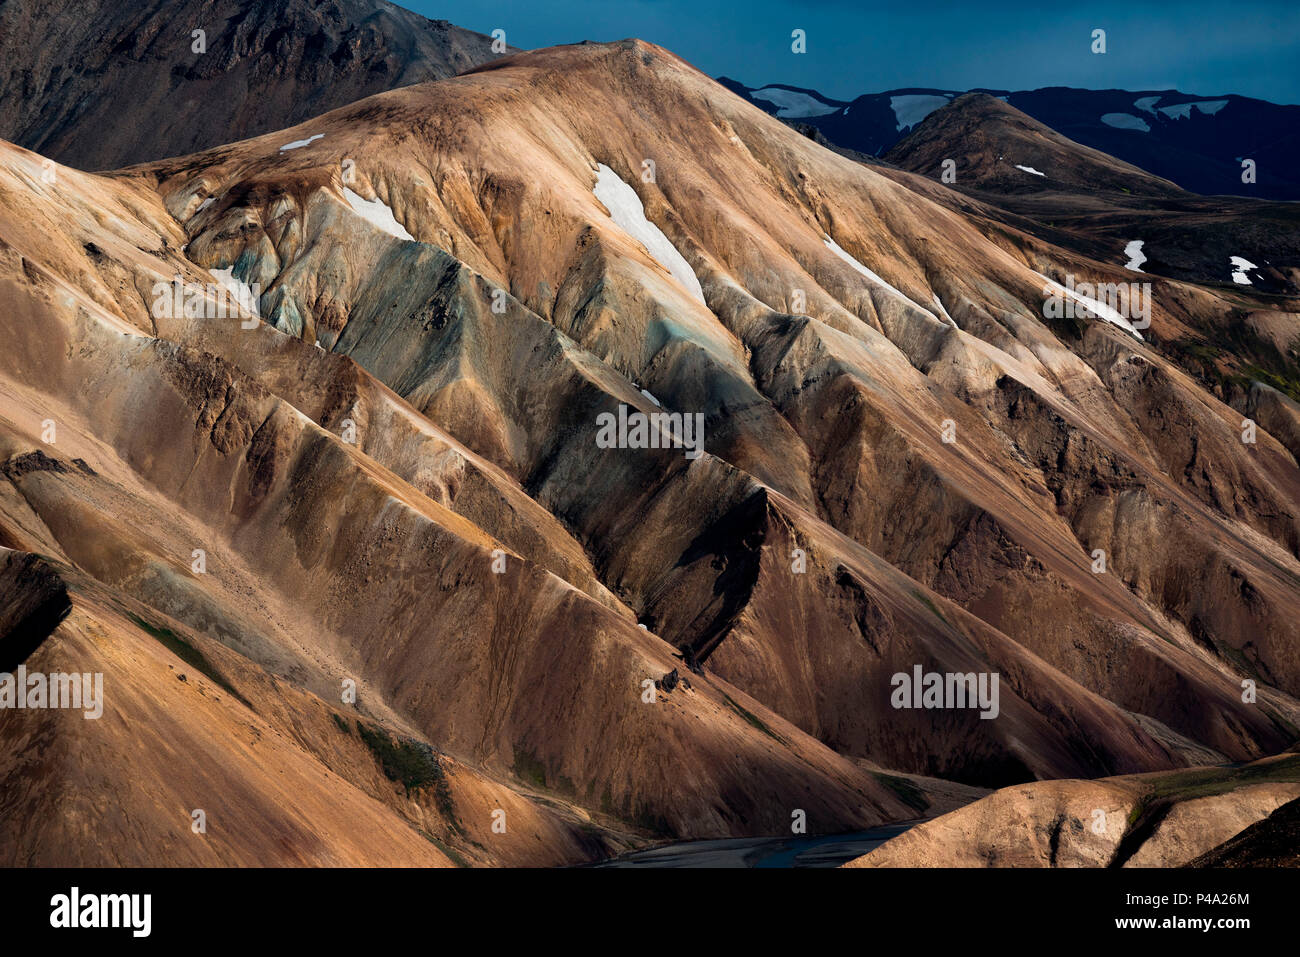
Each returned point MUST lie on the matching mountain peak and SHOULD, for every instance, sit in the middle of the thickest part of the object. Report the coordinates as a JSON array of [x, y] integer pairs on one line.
[[997, 148], [247, 66]]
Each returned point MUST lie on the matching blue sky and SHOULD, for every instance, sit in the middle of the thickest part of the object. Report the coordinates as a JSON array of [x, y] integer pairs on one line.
[[1205, 48]]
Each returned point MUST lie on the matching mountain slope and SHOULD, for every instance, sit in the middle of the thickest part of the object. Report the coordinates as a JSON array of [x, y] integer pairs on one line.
[[101, 84], [455, 287], [1029, 177], [1195, 141], [892, 368], [1272, 842], [502, 676], [1202, 817], [1000, 149]]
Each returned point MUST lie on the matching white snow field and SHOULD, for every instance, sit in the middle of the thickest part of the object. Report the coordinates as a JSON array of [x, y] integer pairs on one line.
[[378, 214], [1030, 169], [1095, 306], [1125, 121], [1183, 111], [791, 104], [1135, 255], [625, 209], [911, 108], [297, 143], [1239, 267], [835, 247], [938, 303]]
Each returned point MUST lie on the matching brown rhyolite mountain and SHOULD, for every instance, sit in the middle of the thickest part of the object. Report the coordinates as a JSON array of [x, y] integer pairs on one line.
[[996, 147], [1201, 817], [1272, 842], [101, 84], [409, 413]]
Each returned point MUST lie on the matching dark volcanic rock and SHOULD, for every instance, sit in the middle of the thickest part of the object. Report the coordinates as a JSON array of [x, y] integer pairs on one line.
[[102, 84]]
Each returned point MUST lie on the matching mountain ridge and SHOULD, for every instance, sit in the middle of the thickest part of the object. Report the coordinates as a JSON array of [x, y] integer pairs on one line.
[[1200, 148], [139, 83], [674, 647]]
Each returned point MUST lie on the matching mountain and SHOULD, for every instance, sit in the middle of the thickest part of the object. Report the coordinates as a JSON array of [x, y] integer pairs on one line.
[[102, 84], [1028, 176], [1205, 817], [236, 668], [397, 461], [869, 124], [790, 102], [1195, 142], [1272, 842], [1198, 142], [999, 149]]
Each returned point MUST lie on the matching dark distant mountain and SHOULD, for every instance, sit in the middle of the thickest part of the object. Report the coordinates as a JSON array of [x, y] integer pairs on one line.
[[1030, 177], [788, 102], [869, 124], [998, 148], [99, 84], [1196, 142]]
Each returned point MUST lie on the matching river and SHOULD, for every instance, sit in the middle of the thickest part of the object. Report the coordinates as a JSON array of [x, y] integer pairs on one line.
[[824, 850]]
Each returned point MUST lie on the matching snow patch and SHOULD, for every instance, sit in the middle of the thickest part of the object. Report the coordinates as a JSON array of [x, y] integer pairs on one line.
[[1183, 111], [911, 108], [1239, 267], [205, 204], [939, 305], [835, 247], [1135, 255], [1125, 121], [625, 209], [297, 143], [791, 104], [1095, 306], [1147, 104], [1030, 169], [377, 213]]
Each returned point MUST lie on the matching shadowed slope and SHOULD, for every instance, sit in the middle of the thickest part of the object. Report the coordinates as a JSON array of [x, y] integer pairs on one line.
[[101, 84]]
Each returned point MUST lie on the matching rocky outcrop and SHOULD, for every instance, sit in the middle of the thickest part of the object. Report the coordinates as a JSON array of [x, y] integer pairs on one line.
[[1272, 842], [99, 85], [1152, 820]]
